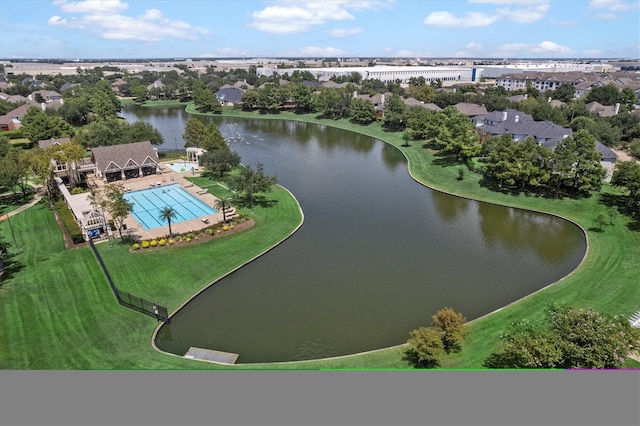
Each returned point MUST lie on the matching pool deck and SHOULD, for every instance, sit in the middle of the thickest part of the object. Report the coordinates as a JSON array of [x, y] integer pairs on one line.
[[164, 178]]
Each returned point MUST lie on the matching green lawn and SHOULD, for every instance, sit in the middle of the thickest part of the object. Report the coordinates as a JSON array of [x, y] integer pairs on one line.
[[59, 313]]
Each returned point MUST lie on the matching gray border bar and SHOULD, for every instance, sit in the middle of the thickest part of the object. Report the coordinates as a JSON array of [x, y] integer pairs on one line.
[[409, 397]]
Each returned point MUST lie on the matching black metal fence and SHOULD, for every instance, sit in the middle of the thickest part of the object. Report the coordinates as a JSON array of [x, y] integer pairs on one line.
[[129, 300]]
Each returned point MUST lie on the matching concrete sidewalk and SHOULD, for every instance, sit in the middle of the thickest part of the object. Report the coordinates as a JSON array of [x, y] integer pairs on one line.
[[37, 197]]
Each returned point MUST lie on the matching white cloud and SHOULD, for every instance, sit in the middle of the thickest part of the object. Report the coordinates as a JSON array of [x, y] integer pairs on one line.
[[612, 9], [104, 20], [473, 46], [552, 48], [526, 15], [320, 51], [529, 12], [545, 48], [290, 16], [614, 5], [345, 32], [509, 1], [91, 6], [514, 47], [471, 19]]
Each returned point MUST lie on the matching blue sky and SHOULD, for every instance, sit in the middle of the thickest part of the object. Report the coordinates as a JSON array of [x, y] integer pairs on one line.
[[320, 28]]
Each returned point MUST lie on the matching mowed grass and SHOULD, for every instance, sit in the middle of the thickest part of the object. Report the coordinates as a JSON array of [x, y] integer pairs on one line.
[[59, 313]]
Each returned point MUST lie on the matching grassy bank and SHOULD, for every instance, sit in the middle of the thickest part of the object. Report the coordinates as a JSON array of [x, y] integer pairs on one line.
[[58, 311]]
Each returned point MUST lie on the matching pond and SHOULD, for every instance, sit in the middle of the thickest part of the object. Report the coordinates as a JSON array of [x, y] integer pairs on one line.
[[377, 255]]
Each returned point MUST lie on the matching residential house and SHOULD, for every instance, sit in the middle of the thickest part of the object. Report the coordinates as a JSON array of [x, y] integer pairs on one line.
[[126, 161], [12, 119], [229, 95], [603, 110], [470, 110], [76, 171], [414, 102], [120, 86], [522, 126]]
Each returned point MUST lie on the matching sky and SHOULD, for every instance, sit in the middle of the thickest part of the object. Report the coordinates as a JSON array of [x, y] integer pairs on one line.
[[95, 29]]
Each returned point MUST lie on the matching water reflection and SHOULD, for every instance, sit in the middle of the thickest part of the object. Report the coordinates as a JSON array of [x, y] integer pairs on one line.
[[449, 208], [523, 230]]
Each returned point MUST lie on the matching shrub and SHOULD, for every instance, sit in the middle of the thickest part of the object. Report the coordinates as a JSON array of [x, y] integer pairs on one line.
[[232, 226], [153, 243], [136, 246], [188, 239], [69, 222], [425, 348], [162, 242], [225, 228], [217, 231], [210, 231], [190, 235], [451, 325], [171, 241], [145, 244], [77, 190]]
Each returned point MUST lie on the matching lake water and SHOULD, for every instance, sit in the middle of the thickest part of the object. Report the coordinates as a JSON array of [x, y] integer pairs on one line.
[[377, 255]]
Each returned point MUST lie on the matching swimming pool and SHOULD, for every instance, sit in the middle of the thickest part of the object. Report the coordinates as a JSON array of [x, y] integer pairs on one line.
[[147, 204], [182, 166]]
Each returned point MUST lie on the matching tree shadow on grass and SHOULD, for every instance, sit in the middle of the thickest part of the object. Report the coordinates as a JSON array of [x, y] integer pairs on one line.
[[10, 267], [258, 200], [622, 205]]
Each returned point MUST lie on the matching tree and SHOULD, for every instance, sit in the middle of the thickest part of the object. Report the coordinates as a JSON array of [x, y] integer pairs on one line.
[[38, 125], [193, 132], [221, 204], [394, 114], [40, 164], [102, 106], [67, 153], [605, 95], [565, 92], [627, 175], [567, 338], [451, 326], [457, 136], [117, 206], [250, 182], [361, 111], [250, 100], [14, 170], [591, 339], [527, 345], [271, 99], [212, 139], [219, 161], [497, 155], [168, 214], [140, 131], [588, 172], [206, 101], [302, 97], [425, 348]]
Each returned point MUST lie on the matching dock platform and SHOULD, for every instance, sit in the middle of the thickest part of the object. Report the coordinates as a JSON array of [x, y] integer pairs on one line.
[[211, 355]]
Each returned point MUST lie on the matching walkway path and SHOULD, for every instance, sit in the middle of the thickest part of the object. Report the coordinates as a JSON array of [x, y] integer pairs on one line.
[[39, 194]]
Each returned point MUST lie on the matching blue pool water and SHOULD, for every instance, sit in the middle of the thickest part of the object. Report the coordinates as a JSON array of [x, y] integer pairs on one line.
[[147, 204], [182, 166]]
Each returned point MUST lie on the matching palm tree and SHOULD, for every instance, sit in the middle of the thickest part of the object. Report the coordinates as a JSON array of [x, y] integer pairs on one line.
[[221, 205], [168, 213]]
